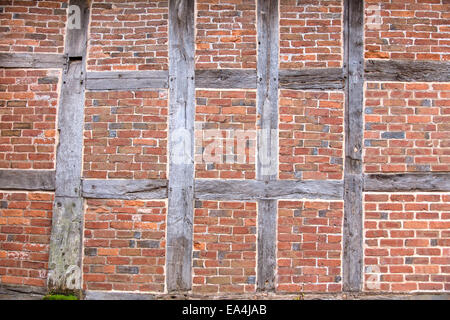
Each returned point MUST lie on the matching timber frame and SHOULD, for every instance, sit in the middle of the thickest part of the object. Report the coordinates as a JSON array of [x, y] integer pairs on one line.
[[182, 189]]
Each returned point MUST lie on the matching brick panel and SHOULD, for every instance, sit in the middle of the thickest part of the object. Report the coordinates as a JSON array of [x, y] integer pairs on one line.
[[125, 134], [309, 257], [311, 34], [33, 26], [25, 227], [407, 127], [226, 34], [224, 247], [407, 242], [225, 124], [415, 30], [128, 35], [124, 245], [311, 135], [28, 108]]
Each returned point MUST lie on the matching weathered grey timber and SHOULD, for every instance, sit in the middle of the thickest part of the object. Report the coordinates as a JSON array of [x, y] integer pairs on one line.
[[181, 145], [27, 180], [267, 140], [127, 80], [407, 71], [125, 189], [407, 182], [312, 79], [32, 60], [353, 182], [226, 79], [66, 237], [212, 189], [106, 295]]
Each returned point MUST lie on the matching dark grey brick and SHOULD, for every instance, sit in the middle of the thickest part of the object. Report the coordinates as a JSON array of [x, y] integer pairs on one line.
[[95, 118], [393, 135], [90, 251], [219, 213], [148, 244], [127, 269], [251, 280], [323, 213], [3, 204]]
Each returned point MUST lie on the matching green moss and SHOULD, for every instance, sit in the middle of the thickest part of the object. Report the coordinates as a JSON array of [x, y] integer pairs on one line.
[[59, 297]]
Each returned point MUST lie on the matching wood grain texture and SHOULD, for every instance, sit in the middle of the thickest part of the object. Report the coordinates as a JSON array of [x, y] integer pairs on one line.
[[127, 80], [312, 79], [125, 189], [31, 60], [353, 182], [214, 189], [65, 252], [181, 145], [407, 71], [267, 140], [408, 182], [226, 79], [41, 180]]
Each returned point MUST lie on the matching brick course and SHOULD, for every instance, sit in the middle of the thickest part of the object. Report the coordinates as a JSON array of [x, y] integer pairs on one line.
[[414, 29], [125, 134], [128, 35], [311, 135], [124, 245], [33, 26], [407, 242], [225, 123], [407, 127], [25, 227], [28, 108], [309, 251], [311, 34], [226, 34], [224, 247]]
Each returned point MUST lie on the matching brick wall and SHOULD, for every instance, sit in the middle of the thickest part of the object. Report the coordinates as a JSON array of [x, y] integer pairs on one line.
[[226, 34], [28, 108], [25, 226], [407, 242], [311, 34], [311, 135], [413, 29], [309, 256], [225, 123], [128, 35], [224, 247], [126, 134], [33, 26], [407, 127], [124, 245]]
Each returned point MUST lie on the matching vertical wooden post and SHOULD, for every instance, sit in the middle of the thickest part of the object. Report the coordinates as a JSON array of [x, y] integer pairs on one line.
[[353, 178], [67, 222], [267, 160], [181, 144]]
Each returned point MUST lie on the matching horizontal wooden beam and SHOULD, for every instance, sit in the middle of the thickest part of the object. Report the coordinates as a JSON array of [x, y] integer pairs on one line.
[[226, 79], [407, 71], [407, 182], [27, 180], [312, 79], [211, 189], [124, 189], [127, 80], [32, 60]]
